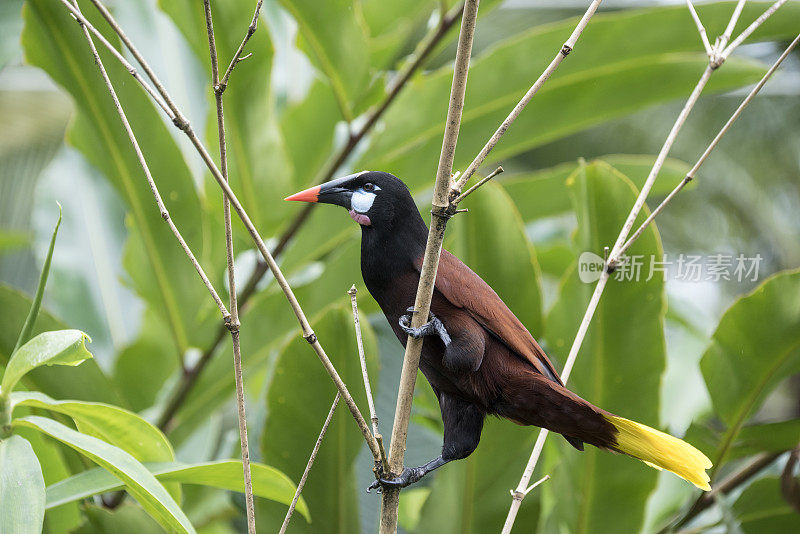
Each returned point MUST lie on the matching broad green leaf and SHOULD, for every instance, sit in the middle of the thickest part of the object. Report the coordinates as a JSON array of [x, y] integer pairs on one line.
[[62, 347], [30, 321], [390, 24], [607, 76], [21, 488], [84, 382], [756, 346], [618, 369], [112, 424], [298, 399], [336, 39], [761, 508], [268, 482], [751, 439], [158, 268], [142, 485], [474, 491], [55, 467], [507, 263], [544, 193]]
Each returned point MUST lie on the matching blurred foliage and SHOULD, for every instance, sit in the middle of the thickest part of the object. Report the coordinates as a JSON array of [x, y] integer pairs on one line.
[[664, 353]]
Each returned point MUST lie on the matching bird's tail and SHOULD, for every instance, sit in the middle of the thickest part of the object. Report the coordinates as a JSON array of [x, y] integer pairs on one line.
[[661, 451]]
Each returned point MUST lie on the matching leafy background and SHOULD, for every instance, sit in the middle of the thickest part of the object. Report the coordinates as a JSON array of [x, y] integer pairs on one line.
[[710, 360]]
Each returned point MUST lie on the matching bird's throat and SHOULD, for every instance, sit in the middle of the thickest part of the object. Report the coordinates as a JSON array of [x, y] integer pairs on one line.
[[360, 218]]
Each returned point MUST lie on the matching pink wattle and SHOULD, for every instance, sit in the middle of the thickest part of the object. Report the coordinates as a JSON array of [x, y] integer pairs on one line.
[[360, 218]]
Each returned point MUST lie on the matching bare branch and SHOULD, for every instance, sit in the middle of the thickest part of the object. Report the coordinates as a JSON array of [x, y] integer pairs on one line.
[[311, 459], [480, 182], [750, 29], [235, 326], [362, 358], [700, 28], [182, 124], [565, 50], [430, 263], [221, 85], [726, 35], [691, 174]]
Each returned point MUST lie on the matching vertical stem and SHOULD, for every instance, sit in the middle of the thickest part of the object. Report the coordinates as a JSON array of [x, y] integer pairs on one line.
[[311, 458], [430, 264], [362, 358], [234, 325]]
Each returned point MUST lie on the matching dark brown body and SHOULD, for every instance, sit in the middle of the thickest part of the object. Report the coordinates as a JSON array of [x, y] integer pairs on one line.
[[480, 373]]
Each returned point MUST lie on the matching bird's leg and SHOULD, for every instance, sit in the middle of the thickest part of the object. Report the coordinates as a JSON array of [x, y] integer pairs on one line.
[[433, 326], [463, 422], [409, 476]]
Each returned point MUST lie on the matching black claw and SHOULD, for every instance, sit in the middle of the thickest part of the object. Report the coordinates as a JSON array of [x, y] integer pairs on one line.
[[433, 326], [409, 476]]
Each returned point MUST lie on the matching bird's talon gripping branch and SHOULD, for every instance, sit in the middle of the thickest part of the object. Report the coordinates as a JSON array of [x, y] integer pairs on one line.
[[409, 476], [433, 326]]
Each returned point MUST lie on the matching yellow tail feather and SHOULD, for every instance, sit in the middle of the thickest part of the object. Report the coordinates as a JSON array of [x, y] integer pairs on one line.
[[662, 451]]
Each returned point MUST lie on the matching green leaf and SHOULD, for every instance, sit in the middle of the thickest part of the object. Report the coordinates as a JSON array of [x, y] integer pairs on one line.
[[295, 414], [138, 481], [761, 508], [508, 264], [27, 328], [268, 482], [334, 35], [756, 346], [85, 382], [544, 193], [112, 424], [21, 488], [62, 347], [620, 365], [158, 268], [605, 78]]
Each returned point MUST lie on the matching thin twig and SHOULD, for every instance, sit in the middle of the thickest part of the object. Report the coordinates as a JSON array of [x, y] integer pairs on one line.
[[692, 173], [613, 260], [726, 35], [565, 50], [700, 28], [373, 415], [182, 124], [480, 182], [311, 459], [391, 497], [426, 46], [153, 188], [221, 85], [753, 27], [234, 323]]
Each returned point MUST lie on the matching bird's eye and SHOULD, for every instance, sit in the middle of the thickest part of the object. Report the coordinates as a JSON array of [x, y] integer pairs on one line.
[[369, 187]]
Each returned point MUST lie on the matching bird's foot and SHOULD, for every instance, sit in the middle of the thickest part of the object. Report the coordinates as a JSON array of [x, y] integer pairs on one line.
[[433, 326], [409, 476]]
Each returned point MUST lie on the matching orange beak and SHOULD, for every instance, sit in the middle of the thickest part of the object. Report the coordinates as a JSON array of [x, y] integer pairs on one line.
[[309, 195]]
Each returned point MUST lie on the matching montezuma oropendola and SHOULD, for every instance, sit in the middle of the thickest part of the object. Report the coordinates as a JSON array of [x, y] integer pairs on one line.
[[478, 357]]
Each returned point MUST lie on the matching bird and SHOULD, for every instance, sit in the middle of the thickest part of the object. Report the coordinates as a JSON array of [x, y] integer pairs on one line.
[[479, 359]]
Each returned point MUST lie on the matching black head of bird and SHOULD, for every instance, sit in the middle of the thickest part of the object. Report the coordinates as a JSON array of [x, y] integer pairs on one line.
[[375, 200], [478, 357]]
